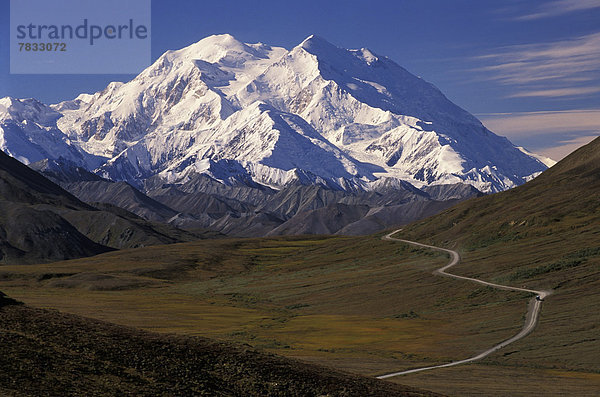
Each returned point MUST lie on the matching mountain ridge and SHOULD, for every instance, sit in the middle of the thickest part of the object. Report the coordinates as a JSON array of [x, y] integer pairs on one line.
[[40, 221]]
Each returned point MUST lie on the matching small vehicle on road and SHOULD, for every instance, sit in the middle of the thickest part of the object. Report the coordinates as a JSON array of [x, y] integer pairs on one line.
[[539, 298]]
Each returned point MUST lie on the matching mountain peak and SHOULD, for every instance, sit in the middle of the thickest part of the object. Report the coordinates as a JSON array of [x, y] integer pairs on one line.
[[320, 47], [222, 40], [222, 48], [314, 38], [6, 101], [317, 45], [26, 109]]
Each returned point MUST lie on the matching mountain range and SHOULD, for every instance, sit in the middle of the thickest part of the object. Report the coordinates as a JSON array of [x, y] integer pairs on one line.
[[249, 139], [256, 115], [542, 235]]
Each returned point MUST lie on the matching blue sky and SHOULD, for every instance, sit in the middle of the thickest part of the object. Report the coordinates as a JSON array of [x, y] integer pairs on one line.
[[528, 69]]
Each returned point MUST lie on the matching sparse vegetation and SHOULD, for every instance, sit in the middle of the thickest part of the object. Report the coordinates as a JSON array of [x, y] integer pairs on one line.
[[536, 271], [53, 354], [542, 235], [360, 304], [410, 314]]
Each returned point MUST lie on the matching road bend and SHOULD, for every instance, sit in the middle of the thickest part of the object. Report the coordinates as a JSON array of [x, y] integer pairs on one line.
[[531, 318]]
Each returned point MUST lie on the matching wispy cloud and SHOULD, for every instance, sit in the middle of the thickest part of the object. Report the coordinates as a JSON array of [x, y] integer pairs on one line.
[[551, 133], [557, 92], [565, 147], [576, 58], [560, 7], [521, 124], [557, 69]]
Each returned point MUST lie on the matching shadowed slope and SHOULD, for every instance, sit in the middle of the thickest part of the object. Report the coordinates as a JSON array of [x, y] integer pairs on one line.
[[41, 222]]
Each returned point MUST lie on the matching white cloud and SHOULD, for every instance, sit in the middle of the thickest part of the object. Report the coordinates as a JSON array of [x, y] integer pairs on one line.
[[529, 124], [553, 134], [557, 92], [560, 7], [573, 61]]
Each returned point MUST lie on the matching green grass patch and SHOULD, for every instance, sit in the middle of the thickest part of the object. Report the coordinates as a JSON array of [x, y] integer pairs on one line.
[[569, 261]]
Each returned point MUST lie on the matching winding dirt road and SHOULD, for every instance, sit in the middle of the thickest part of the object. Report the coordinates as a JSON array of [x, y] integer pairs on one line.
[[530, 321]]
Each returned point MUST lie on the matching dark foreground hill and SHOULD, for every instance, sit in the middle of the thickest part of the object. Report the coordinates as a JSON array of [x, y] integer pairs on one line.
[[41, 222], [54, 354]]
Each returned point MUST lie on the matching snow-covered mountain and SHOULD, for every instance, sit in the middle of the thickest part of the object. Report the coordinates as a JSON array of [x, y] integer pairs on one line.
[[28, 132], [253, 114]]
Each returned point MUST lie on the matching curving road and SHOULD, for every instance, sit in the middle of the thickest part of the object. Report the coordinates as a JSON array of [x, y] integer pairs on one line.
[[530, 321]]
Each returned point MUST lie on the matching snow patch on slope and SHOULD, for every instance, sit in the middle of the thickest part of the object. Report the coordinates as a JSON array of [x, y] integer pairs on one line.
[[546, 160]]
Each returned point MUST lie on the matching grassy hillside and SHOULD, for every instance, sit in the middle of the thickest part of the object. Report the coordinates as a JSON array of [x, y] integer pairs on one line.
[[544, 235], [360, 304], [563, 198], [53, 354]]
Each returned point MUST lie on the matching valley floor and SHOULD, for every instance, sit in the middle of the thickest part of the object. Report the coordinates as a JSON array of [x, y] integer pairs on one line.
[[362, 305]]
